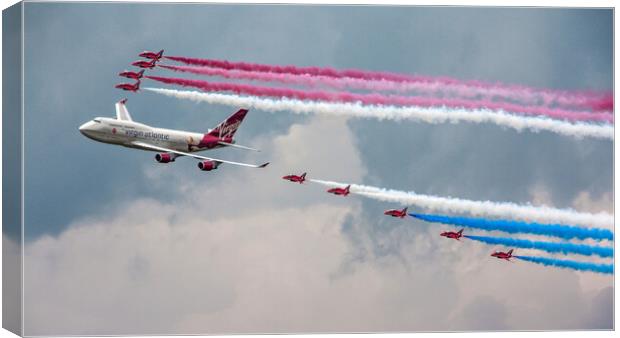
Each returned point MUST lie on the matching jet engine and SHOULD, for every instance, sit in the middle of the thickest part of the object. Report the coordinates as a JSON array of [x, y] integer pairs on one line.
[[165, 157], [207, 165]]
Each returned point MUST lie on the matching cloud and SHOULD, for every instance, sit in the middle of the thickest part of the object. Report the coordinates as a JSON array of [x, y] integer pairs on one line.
[[11, 284], [584, 201], [601, 315], [281, 257], [165, 260], [541, 195], [138, 274], [483, 313]]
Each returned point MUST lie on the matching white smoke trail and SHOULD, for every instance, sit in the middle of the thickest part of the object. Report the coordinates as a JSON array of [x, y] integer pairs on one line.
[[508, 210], [429, 115]]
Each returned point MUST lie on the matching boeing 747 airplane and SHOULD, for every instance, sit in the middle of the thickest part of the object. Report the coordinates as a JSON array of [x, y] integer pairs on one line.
[[169, 144]]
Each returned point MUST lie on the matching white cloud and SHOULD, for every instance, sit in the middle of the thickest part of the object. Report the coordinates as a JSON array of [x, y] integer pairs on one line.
[[603, 203], [540, 195]]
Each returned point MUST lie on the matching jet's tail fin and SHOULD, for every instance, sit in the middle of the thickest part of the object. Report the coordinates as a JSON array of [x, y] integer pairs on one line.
[[347, 189], [137, 84], [121, 111], [461, 231], [303, 175], [161, 53], [140, 74], [405, 210], [510, 252], [227, 129]]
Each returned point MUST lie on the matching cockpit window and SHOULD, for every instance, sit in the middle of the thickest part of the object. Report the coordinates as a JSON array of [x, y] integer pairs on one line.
[[97, 120]]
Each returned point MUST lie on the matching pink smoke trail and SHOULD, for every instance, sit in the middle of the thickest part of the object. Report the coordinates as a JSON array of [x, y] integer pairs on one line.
[[378, 99], [577, 99], [376, 85]]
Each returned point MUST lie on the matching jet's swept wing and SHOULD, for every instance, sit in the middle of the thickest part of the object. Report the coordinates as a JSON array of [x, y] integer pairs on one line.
[[233, 145], [121, 111], [157, 148]]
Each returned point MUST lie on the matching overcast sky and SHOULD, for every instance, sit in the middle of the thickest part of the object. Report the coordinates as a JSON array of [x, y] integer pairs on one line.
[[118, 244]]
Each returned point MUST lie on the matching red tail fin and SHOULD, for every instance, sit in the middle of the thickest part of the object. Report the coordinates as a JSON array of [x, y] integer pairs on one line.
[[228, 128]]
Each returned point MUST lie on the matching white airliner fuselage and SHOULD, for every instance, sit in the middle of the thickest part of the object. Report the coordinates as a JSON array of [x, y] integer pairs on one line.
[[126, 133], [169, 143]]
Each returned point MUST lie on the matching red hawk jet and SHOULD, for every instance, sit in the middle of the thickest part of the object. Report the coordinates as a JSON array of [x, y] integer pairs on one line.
[[132, 87], [132, 75], [152, 55], [396, 213], [145, 64], [295, 178], [452, 234], [340, 191], [503, 255]]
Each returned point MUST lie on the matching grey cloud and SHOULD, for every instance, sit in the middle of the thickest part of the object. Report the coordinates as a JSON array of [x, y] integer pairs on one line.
[[601, 316], [483, 313]]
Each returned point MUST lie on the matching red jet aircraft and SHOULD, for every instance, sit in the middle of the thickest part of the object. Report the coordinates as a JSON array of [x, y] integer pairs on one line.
[[452, 234], [503, 255], [132, 87], [396, 213], [295, 178], [152, 55], [340, 191], [132, 75], [145, 64]]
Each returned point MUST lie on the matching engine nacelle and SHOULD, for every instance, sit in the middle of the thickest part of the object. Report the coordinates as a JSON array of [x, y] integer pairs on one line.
[[164, 158], [207, 165]]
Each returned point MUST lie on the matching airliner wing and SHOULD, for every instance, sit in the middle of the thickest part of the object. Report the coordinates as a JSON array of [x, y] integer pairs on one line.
[[233, 145], [158, 148]]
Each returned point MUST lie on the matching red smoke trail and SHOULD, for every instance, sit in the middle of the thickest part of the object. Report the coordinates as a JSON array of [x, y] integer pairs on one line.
[[378, 99], [305, 79], [576, 99], [417, 88], [322, 71]]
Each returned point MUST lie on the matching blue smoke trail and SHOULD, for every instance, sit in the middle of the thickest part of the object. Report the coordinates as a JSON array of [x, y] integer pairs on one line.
[[553, 247], [556, 230], [580, 266]]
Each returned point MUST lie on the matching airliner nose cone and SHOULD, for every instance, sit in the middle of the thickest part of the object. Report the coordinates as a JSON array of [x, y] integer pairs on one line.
[[86, 128]]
